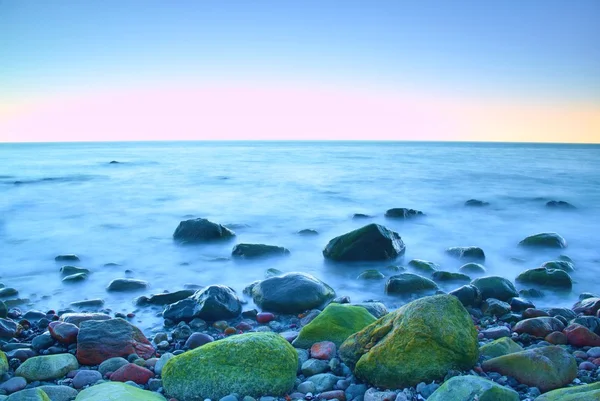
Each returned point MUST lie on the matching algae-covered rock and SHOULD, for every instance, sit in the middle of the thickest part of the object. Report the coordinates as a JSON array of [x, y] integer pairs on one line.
[[47, 367], [467, 388], [371, 242], [546, 277], [421, 341], [336, 323], [3, 363], [408, 283], [30, 394], [115, 391], [495, 287], [253, 364], [499, 347], [546, 368], [472, 268], [544, 240], [424, 266], [588, 392]]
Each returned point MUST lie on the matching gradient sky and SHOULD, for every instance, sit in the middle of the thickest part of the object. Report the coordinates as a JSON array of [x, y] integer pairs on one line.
[[508, 70]]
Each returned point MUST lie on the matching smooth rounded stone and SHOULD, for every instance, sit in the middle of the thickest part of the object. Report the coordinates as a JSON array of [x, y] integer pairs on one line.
[[78, 318], [162, 361], [67, 258], [559, 265], [499, 347], [421, 341], [213, 303], [336, 323], [99, 340], [8, 292], [369, 243], [495, 307], [532, 312], [164, 298], [544, 240], [373, 394], [314, 366], [559, 205], [126, 284], [197, 340], [355, 390], [581, 336], [324, 381], [59, 393], [546, 368], [556, 338], [520, 304], [115, 391], [13, 385], [463, 388], [409, 283], [495, 287], [403, 213], [8, 329], [42, 341], [376, 309], [539, 326], [567, 313], [47, 367], [476, 203], [112, 365], [588, 306], [30, 394], [86, 378], [531, 293], [307, 387], [230, 397], [132, 372], [472, 268], [468, 295], [64, 333], [88, 303], [308, 232], [358, 216], [71, 270], [587, 392], [371, 274], [546, 277], [201, 230], [21, 354], [493, 333], [291, 293], [449, 276], [324, 350], [246, 369], [594, 352], [253, 251], [423, 266], [472, 253]]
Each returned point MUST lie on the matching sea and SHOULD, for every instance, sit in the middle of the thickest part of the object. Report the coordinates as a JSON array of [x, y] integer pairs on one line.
[[119, 218]]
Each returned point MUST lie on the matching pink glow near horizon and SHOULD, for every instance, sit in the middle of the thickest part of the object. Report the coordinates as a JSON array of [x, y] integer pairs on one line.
[[247, 113]]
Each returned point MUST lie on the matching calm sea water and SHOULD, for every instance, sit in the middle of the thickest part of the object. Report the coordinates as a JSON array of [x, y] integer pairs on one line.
[[71, 200]]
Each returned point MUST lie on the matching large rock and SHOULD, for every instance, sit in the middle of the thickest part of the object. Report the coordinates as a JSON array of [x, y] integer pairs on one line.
[[539, 326], [252, 364], [560, 265], [336, 323], [253, 251], [165, 298], [581, 336], [421, 341], [424, 266], [546, 368], [371, 242], [291, 293], [546, 277], [588, 392], [465, 388], [449, 276], [59, 393], [113, 391], [588, 306], [99, 340], [544, 240], [403, 213], [473, 253], [495, 287], [468, 295], [200, 230], [215, 302], [47, 367], [499, 347], [408, 283], [29, 394], [78, 318]]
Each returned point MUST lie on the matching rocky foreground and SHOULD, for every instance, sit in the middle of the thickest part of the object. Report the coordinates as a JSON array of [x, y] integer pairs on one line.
[[483, 341]]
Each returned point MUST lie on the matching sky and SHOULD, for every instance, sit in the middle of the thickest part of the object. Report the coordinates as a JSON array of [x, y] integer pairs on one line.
[[461, 70]]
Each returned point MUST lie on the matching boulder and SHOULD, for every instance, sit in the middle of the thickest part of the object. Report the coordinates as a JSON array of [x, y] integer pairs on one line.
[[165, 298], [449, 276], [587, 306], [253, 364], [544, 240], [59, 393], [64, 333], [115, 391], [495, 287], [472, 268], [546, 277], [126, 284], [371, 274], [539, 326], [560, 265], [587, 392], [546, 368], [464, 388], [499, 347], [423, 266], [78, 318], [581, 336], [48, 367], [215, 302], [99, 340], [291, 293], [468, 295], [495, 307], [376, 309], [336, 323], [408, 283], [200, 230], [472, 253], [403, 213], [253, 251], [369, 243], [29, 394], [421, 341], [132, 372]]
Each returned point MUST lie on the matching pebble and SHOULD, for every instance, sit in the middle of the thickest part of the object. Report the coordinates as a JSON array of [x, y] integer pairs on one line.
[[264, 317], [85, 378], [314, 366], [323, 350], [13, 385]]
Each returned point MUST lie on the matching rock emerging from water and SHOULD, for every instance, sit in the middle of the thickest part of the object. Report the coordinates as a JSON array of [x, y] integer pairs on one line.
[[472, 253], [201, 230], [559, 205], [215, 302], [495, 287], [408, 283], [126, 284], [253, 251], [546, 277], [403, 213], [476, 203], [369, 243], [544, 240]]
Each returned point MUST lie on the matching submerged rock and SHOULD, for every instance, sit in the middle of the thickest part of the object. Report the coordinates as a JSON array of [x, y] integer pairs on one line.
[[201, 230], [73, 278], [164, 298], [215, 302], [251, 251], [308, 232], [69, 270], [473, 253], [449, 276], [476, 203], [495, 287], [544, 240], [371, 274], [559, 205], [67, 258], [464, 388], [472, 268], [423, 266], [369, 243], [546, 277], [403, 213], [408, 283]]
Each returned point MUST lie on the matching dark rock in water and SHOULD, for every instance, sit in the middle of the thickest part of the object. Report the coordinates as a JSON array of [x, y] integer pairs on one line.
[[408, 283], [88, 303], [99, 340], [546, 277], [164, 298], [201, 230], [468, 295], [67, 258], [70, 270], [473, 253], [197, 340], [495, 287], [582, 296], [126, 284], [560, 265], [271, 273], [292, 293], [251, 251], [423, 266], [531, 293], [371, 274], [403, 213], [114, 162], [369, 243], [215, 302], [476, 203], [472, 268], [520, 304], [8, 292], [559, 205], [8, 329], [308, 232], [357, 216], [449, 276], [544, 240]]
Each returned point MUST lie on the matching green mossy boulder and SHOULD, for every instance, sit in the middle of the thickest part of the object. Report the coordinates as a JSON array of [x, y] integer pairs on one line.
[[408, 283], [336, 323], [47, 367], [419, 342], [546, 277], [467, 388], [253, 364], [423, 266], [544, 240], [30, 394], [3, 363], [369, 243], [114, 391], [495, 287], [449, 276], [499, 347], [546, 368], [588, 392]]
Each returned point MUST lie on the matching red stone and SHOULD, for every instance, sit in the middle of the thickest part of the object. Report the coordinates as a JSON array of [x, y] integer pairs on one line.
[[264, 317], [230, 330], [243, 326], [64, 333], [324, 350], [330, 395], [132, 372], [539, 326], [581, 336], [587, 366], [557, 338], [532, 312]]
